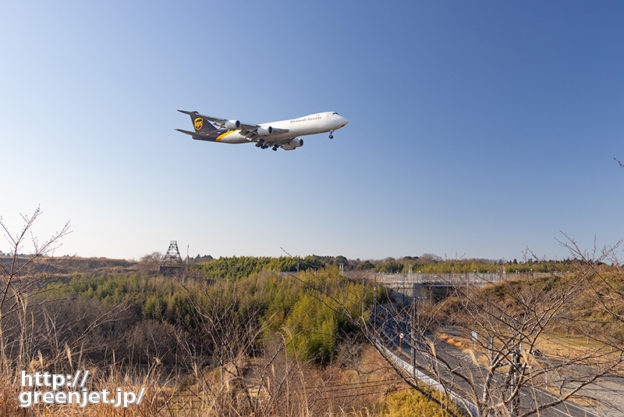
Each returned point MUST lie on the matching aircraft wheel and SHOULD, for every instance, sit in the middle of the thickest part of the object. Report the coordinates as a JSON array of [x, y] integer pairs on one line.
[[331, 136]]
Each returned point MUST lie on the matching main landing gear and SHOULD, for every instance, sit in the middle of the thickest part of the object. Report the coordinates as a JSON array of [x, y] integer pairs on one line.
[[331, 134], [260, 144]]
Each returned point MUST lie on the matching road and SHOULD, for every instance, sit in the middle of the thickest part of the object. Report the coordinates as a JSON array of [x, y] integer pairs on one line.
[[457, 360]]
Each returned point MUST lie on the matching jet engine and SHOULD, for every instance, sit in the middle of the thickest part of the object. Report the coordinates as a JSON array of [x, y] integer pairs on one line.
[[263, 131], [292, 144], [232, 124]]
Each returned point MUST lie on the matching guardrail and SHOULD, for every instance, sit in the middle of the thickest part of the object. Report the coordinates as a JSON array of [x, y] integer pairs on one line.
[[432, 383], [421, 278]]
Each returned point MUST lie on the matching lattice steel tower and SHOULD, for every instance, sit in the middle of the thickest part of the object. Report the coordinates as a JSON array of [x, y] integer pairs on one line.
[[172, 261], [172, 257]]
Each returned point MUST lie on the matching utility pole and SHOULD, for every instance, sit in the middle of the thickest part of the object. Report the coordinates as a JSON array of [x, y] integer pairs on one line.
[[375, 309], [286, 252], [512, 380], [515, 380], [412, 339]]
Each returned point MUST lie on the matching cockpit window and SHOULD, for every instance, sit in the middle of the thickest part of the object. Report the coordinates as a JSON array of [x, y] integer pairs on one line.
[[334, 113]]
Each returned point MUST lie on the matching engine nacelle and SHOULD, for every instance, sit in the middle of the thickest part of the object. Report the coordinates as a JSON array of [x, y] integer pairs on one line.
[[263, 131], [232, 124], [296, 143], [293, 144]]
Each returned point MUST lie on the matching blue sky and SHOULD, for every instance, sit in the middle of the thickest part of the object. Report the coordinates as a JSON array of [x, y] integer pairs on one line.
[[478, 129]]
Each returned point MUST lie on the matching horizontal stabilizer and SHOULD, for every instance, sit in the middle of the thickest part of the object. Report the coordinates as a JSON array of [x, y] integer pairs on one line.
[[186, 131]]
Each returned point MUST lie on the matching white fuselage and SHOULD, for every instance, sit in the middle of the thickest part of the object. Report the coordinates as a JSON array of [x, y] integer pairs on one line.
[[306, 125]]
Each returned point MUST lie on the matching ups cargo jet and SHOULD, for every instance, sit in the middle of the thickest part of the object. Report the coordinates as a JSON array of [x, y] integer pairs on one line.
[[282, 134]]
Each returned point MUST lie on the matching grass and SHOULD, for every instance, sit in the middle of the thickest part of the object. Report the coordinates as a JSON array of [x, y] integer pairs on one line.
[[412, 403], [365, 387], [552, 345]]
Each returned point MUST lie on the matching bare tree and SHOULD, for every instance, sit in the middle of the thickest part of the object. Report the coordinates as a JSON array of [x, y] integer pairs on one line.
[[496, 365], [492, 357], [252, 380], [602, 272], [13, 298], [151, 262]]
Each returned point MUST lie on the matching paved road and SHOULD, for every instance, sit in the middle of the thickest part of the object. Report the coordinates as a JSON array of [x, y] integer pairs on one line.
[[529, 396]]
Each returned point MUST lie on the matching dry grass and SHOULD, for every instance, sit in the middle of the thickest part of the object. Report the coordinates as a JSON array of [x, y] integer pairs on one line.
[[357, 387], [551, 346]]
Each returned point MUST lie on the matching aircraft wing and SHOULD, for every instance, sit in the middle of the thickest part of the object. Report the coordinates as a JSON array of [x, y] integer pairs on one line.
[[247, 130], [251, 133]]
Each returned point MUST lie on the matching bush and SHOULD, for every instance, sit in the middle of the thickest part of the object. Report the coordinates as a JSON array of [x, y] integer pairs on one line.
[[314, 307], [413, 403]]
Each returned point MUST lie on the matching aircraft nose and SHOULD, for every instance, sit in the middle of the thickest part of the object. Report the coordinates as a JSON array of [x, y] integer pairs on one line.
[[345, 121]]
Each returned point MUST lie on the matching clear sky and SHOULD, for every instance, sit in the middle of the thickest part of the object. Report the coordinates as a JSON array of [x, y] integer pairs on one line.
[[478, 128]]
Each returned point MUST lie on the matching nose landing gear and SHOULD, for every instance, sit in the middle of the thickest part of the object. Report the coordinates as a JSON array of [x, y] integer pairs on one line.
[[331, 134]]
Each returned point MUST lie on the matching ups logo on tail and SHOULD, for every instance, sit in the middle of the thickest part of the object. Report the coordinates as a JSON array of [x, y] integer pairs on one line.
[[198, 123]]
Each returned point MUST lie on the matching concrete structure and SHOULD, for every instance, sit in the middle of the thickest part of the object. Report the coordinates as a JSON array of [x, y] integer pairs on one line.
[[432, 287]]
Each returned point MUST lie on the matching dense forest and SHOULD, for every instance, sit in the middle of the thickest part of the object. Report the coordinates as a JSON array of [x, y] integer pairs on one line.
[[243, 266], [315, 321]]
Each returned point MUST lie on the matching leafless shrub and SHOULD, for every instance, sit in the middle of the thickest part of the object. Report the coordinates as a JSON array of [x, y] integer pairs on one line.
[[13, 299]]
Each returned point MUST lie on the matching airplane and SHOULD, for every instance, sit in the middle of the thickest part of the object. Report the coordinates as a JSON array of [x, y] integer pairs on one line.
[[282, 134]]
